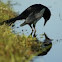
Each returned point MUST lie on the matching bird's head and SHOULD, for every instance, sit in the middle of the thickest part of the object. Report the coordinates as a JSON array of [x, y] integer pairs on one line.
[[46, 15], [47, 38]]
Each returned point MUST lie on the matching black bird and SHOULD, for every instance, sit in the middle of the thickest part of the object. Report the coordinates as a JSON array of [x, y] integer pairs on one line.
[[31, 15]]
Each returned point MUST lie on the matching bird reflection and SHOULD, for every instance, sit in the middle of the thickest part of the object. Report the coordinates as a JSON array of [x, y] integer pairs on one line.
[[44, 48], [46, 44]]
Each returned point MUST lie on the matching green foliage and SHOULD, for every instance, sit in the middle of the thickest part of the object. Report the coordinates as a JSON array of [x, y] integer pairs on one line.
[[6, 12], [12, 47]]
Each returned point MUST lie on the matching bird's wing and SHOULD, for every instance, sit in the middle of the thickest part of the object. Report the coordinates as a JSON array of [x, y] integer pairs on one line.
[[29, 10], [34, 16], [30, 18], [25, 13], [40, 14]]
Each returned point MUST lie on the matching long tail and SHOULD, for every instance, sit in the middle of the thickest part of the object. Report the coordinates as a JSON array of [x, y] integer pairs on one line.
[[12, 20]]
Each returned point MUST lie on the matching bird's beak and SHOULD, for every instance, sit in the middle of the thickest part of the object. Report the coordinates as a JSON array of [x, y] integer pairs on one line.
[[45, 22]]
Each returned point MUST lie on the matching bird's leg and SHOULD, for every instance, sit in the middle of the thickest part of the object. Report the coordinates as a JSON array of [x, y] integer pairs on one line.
[[34, 27], [31, 27], [34, 35]]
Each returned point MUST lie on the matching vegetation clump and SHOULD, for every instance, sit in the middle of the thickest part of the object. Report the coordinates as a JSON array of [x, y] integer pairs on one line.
[[6, 12]]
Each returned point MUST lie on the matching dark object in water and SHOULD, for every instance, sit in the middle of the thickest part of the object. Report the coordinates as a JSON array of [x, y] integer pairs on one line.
[[42, 47], [47, 44]]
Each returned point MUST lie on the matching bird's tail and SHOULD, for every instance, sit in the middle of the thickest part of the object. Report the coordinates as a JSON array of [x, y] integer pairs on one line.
[[12, 20]]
